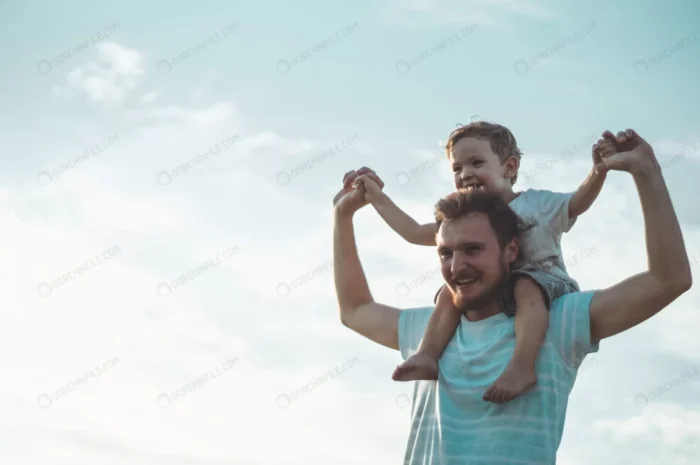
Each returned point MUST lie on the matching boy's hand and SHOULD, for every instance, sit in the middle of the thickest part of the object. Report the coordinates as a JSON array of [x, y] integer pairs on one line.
[[350, 177], [603, 148]]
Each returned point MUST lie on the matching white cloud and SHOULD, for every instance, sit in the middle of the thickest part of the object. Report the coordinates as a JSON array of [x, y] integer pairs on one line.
[[112, 78], [666, 425], [151, 96]]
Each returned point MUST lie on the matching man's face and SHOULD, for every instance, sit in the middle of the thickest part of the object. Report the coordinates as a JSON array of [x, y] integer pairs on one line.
[[473, 264]]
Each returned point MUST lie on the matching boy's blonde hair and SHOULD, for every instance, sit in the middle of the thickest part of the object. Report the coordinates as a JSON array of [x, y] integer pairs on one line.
[[502, 141]]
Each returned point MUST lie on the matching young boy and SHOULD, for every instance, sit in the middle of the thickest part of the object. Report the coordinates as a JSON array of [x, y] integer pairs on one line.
[[486, 156]]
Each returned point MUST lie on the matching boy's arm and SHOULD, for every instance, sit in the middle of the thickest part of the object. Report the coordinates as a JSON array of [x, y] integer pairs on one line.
[[399, 221], [586, 193], [589, 189]]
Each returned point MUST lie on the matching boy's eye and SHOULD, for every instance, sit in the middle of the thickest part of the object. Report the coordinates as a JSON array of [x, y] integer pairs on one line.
[[478, 163]]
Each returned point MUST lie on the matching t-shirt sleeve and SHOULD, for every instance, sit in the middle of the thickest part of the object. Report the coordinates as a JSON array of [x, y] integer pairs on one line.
[[554, 206], [570, 327], [412, 324]]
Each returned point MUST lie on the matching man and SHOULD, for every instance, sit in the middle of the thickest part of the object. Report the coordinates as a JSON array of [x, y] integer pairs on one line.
[[451, 423]]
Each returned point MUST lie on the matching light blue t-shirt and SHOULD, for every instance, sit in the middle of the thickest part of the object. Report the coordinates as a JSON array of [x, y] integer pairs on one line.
[[452, 425]]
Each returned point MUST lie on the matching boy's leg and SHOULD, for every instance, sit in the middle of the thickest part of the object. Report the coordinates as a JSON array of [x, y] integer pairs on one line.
[[441, 327], [531, 323]]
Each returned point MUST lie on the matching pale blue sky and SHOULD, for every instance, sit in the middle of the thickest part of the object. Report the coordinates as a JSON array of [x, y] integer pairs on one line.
[[113, 99]]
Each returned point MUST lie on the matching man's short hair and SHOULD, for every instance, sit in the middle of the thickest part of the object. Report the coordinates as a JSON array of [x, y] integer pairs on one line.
[[504, 221]]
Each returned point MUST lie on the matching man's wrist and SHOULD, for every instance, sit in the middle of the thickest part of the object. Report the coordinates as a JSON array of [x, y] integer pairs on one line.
[[646, 171], [598, 175], [341, 216]]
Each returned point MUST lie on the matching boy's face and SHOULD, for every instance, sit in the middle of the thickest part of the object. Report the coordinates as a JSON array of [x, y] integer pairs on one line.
[[475, 165]]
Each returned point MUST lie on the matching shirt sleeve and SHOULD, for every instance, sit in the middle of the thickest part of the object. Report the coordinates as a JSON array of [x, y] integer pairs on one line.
[[412, 324], [570, 327], [554, 206]]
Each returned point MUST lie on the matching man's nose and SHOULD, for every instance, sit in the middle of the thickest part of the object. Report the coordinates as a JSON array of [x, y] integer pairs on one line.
[[459, 263]]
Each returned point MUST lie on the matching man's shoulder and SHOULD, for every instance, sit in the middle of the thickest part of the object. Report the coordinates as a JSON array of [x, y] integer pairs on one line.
[[412, 324], [416, 315], [570, 326], [572, 301], [569, 309]]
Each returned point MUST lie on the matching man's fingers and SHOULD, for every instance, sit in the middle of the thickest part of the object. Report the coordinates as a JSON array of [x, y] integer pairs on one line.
[[339, 195], [621, 137], [607, 135], [349, 178]]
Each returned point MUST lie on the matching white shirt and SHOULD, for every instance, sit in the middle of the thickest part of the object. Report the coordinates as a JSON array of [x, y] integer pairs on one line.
[[549, 212]]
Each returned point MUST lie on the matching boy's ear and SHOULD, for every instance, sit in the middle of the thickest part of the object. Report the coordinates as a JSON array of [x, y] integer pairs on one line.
[[511, 166]]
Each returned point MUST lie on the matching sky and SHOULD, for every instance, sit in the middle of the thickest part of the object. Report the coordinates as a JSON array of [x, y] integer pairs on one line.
[[165, 199]]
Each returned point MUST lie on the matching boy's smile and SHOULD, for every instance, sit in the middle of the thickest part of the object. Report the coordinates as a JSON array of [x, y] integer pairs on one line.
[[476, 166]]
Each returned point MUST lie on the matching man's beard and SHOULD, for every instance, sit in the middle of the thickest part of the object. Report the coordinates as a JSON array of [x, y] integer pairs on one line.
[[486, 298]]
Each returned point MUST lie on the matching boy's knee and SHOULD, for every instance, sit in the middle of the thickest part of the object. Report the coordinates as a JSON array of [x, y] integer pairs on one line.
[[528, 292], [445, 299]]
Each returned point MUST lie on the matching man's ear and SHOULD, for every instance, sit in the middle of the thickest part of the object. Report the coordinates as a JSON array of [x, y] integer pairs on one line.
[[511, 252]]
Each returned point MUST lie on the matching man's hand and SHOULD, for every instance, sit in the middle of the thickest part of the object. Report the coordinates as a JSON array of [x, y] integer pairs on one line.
[[633, 154], [350, 199], [359, 188], [372, 190]]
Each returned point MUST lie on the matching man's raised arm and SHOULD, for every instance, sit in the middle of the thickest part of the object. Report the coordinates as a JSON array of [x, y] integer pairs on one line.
[[358, 311], [640, 297]]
